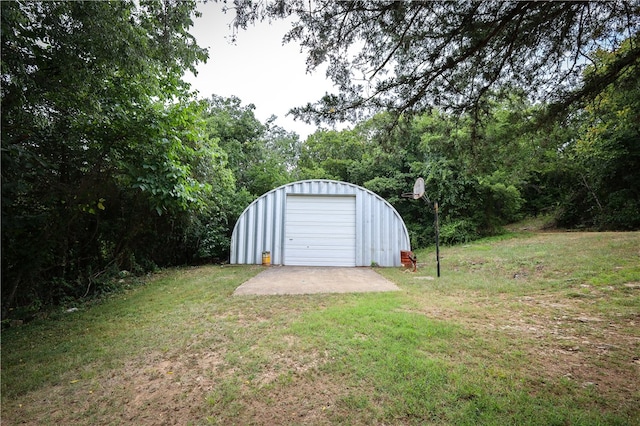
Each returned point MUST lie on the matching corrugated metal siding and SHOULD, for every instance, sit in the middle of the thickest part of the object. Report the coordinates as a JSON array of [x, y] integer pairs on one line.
[[380, 231]]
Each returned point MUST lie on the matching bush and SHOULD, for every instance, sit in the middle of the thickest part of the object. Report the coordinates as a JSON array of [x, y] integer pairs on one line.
[[501, 204], [458, 231], [621, 212], [421, 235]]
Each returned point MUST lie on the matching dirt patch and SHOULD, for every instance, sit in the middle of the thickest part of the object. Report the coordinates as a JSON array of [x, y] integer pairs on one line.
[[154, 390], [306, 400], [169, 391]]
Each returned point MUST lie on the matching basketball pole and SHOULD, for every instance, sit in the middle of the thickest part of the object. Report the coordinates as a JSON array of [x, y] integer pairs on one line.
[[435, 206], [436, 224], [419, 192]]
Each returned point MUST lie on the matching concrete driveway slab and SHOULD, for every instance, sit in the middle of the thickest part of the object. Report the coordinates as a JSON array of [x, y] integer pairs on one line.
[[315, 279]]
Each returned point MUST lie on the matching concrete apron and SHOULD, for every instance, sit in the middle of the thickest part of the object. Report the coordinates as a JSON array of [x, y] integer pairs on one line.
[[315, 279]]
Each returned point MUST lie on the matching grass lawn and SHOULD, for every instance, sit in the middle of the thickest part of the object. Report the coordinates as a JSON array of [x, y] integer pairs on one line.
[[534, 328]]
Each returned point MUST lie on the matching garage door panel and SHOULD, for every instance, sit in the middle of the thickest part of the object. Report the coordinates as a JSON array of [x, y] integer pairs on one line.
[[317, 257], [310, 244], [320, 253], [319, 216], [320, 227], [320, 230]]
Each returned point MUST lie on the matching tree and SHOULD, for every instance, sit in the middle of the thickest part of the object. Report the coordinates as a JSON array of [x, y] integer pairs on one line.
[[409, 56], [261, 156], [102, 147], [471, 178], [604, 155], [330, 154]]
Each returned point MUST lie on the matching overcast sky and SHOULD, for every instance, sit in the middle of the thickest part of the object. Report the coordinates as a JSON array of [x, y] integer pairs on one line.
[[258, 69]]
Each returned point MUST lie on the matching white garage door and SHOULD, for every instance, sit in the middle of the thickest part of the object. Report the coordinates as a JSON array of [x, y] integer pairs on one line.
[[320, 230]]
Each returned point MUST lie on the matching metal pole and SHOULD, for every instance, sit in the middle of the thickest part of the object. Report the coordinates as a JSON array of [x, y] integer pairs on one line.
[[437, 225], [435, 206]]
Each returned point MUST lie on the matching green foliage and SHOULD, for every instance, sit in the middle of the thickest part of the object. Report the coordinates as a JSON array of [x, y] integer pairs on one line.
[[261, 156], [605, 156], [475, 198], [210, 232], [474, 83], [103, 150], [458, 231], [331, 154], [404, 57], [472, 172], [501, 203], [109, 163]]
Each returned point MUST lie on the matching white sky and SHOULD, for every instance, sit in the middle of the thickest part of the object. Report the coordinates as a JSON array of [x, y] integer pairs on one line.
[[258, 69]]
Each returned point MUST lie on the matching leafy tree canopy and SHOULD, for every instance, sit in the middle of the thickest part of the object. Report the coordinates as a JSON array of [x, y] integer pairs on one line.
[[104, 159], [408, 56], [261, 156]]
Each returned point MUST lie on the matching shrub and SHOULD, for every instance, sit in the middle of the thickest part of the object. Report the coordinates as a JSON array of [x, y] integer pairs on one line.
[[458, 231]]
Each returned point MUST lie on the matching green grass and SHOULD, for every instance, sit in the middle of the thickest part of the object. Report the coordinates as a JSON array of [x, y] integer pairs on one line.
[[530, 329]]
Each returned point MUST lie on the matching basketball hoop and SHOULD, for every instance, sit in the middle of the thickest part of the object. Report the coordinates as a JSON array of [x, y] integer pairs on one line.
[[419, 192], [418, 188]]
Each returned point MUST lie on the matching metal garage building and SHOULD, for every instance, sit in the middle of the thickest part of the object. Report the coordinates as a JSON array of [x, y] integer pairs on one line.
[[320, 223]]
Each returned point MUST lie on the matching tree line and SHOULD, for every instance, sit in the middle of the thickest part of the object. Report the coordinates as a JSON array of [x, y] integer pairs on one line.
[[110, 163]]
